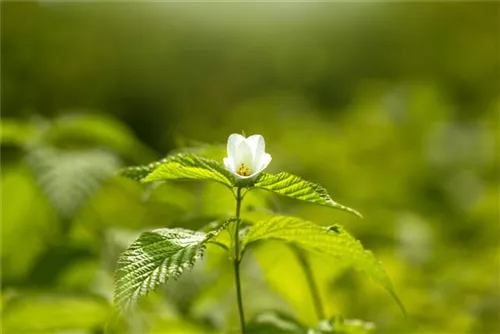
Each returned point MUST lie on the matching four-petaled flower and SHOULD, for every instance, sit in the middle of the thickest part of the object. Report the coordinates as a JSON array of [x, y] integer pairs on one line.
[[246, 157]]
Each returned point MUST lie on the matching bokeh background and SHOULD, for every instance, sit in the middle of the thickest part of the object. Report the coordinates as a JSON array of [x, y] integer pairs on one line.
[[393, 107]]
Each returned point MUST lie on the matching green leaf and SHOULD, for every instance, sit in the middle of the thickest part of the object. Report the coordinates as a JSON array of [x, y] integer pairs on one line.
[[137, 173], [276, 323], [277, 260], [33, 227], [289, 185], [280, 323], [83, 128], [350, 326], [181, 167], [333, 241], [15, 132], [154, 258], [55, 313], [70, 177]]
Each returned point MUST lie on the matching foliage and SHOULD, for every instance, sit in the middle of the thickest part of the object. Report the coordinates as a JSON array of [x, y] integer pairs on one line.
[[293, 186], [69, 178], [402, 124], [153, 259], [332, 241], [160, 255], [190, 167], [49, 313], [272, 322]]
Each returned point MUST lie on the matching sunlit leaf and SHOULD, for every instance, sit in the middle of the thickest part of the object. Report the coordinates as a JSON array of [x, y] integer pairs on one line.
[[137, 173], [154, 258], [289, 185], [333, 241], [278, 260], [181, 167]]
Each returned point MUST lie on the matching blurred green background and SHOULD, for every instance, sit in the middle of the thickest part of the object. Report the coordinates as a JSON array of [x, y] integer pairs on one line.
[[393, 107]]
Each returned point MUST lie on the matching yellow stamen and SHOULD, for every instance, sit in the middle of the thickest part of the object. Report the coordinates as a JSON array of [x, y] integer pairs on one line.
[[243, 170]]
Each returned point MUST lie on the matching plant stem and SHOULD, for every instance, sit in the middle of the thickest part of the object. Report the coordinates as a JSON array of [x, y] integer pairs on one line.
[[237, 260], [313, 288]]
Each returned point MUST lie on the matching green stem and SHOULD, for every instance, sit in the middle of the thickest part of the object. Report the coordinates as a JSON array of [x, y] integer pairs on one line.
[[313, 288], [237, 260]]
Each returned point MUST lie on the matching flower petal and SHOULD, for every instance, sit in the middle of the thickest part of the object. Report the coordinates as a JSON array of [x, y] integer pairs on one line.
[[243, 155], [266, 159], [258, 146], [264, 162], [229, 163], [233, 142], [257, 143]]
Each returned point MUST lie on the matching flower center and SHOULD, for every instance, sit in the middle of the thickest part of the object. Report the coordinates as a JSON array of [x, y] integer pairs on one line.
[[243, 170]]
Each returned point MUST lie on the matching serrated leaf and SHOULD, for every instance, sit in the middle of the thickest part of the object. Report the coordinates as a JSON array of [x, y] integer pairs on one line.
[[137, 173], [289, 185], [333, 241], [181, 167], [154, 258], [70, 177]]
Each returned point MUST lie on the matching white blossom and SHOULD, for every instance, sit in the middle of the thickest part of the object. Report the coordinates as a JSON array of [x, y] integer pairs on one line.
[[246, 157]]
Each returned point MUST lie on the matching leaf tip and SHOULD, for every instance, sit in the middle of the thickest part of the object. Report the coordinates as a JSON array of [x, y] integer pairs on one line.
[[357, 213]]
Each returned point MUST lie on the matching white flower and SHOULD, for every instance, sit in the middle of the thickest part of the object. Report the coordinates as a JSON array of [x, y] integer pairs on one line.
[[246, 157]]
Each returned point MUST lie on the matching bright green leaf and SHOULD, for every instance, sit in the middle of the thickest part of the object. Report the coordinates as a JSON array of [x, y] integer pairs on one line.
[[333, 241], [137, 173], [181, 167], [30, 225], [289, 185]]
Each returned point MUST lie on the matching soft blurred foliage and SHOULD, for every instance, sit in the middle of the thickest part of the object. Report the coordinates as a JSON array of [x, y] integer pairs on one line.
[[393, 107]]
